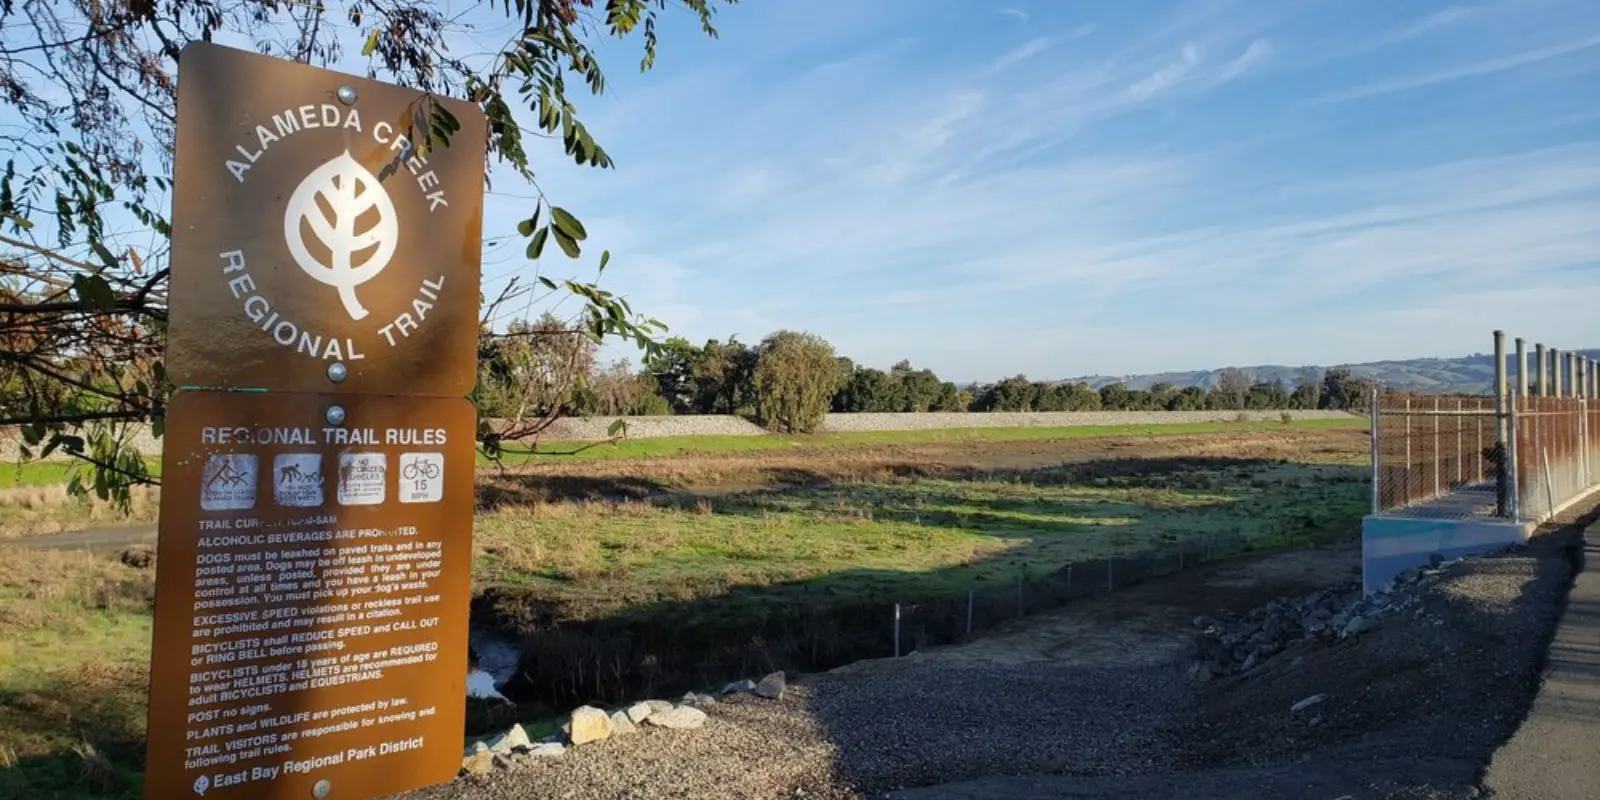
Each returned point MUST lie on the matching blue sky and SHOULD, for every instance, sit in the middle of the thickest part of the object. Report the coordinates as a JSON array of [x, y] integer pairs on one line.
[[1058, 188], [1061, 188]]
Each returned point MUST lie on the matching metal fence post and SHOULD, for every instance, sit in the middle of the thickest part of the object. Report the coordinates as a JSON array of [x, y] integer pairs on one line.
[[1409, 465], [1377, 473], [1438, 461], [1460, 476], [1511, 464], [969, 612], [1502, 425], [896, 630], [1477, 439], [1583, 440]]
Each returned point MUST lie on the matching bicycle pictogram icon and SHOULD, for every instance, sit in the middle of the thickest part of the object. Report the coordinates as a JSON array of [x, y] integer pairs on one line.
[[420, 470]]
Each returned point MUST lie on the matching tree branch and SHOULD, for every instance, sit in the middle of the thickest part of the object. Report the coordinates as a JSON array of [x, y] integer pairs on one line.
[[88, 416]]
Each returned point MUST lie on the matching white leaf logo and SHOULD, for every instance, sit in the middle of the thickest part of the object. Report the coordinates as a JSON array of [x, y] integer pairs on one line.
[[330, 202]]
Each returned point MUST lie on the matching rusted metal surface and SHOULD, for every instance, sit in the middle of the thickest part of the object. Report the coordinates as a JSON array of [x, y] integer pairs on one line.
[[312, 590], [309, 232]]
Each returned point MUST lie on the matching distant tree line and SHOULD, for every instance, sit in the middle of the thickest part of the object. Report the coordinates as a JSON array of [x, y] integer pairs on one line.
[[790, 380]]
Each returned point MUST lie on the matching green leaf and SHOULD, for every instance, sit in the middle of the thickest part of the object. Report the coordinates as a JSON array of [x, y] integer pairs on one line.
[[568, 224], [94, 292], [568, 244], [605, 258], [526, 226], [372, 43], [158, 426], [616, 427], [105, 254], [536, 247]]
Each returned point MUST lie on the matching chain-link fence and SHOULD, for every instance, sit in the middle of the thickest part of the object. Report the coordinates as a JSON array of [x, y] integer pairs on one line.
[[1556, 439], [1436, 455], [1441, 457]]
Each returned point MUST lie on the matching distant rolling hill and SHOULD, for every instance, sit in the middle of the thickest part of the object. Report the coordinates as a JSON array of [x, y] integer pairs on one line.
[[1474, 373]]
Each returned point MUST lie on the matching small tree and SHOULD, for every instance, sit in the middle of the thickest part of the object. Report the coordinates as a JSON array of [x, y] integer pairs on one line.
[[1191, 398], [1342, 390], [673, 367], [1232, 389], [1114, 397], [618, 391], [722, 377], [530, 372], [795, 375], [1306, 393], [867, 389]]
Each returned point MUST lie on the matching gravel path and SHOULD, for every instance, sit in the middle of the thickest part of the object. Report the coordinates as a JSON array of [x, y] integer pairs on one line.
[[749, 749], [1555, 755]]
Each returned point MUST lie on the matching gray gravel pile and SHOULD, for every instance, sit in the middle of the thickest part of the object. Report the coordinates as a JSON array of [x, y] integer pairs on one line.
[[1246, 643], [1446, 677], [930, 720], [749, 748]]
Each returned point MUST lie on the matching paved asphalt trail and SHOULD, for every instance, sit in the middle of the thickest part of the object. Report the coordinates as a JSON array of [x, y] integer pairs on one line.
[[1555, 755], [96, 539]]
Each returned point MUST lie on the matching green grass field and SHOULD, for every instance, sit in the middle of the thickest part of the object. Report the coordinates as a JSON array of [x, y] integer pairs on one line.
[[920, 538]]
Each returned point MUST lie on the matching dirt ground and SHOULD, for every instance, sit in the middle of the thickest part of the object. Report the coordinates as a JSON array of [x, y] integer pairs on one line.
[[1095, 700], [724, 472]]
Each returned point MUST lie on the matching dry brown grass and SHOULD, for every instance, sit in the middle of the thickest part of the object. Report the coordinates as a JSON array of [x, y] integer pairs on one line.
[[42, 587], [34, 510], [877, 464], [74, 651]]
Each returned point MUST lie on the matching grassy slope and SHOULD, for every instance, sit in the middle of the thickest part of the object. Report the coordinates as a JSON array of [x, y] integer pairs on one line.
[[74, 650], [917, 539]]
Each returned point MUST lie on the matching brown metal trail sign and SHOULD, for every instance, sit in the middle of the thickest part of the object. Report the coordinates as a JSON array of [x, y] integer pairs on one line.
[[309, 231], [313, 569]]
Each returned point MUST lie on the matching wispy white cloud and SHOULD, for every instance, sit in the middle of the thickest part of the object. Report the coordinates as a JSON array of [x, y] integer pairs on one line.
[[1022, 53], [1440, 19], [1166, 77], [1472, 70], [1019, 14], [1258, 51]]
